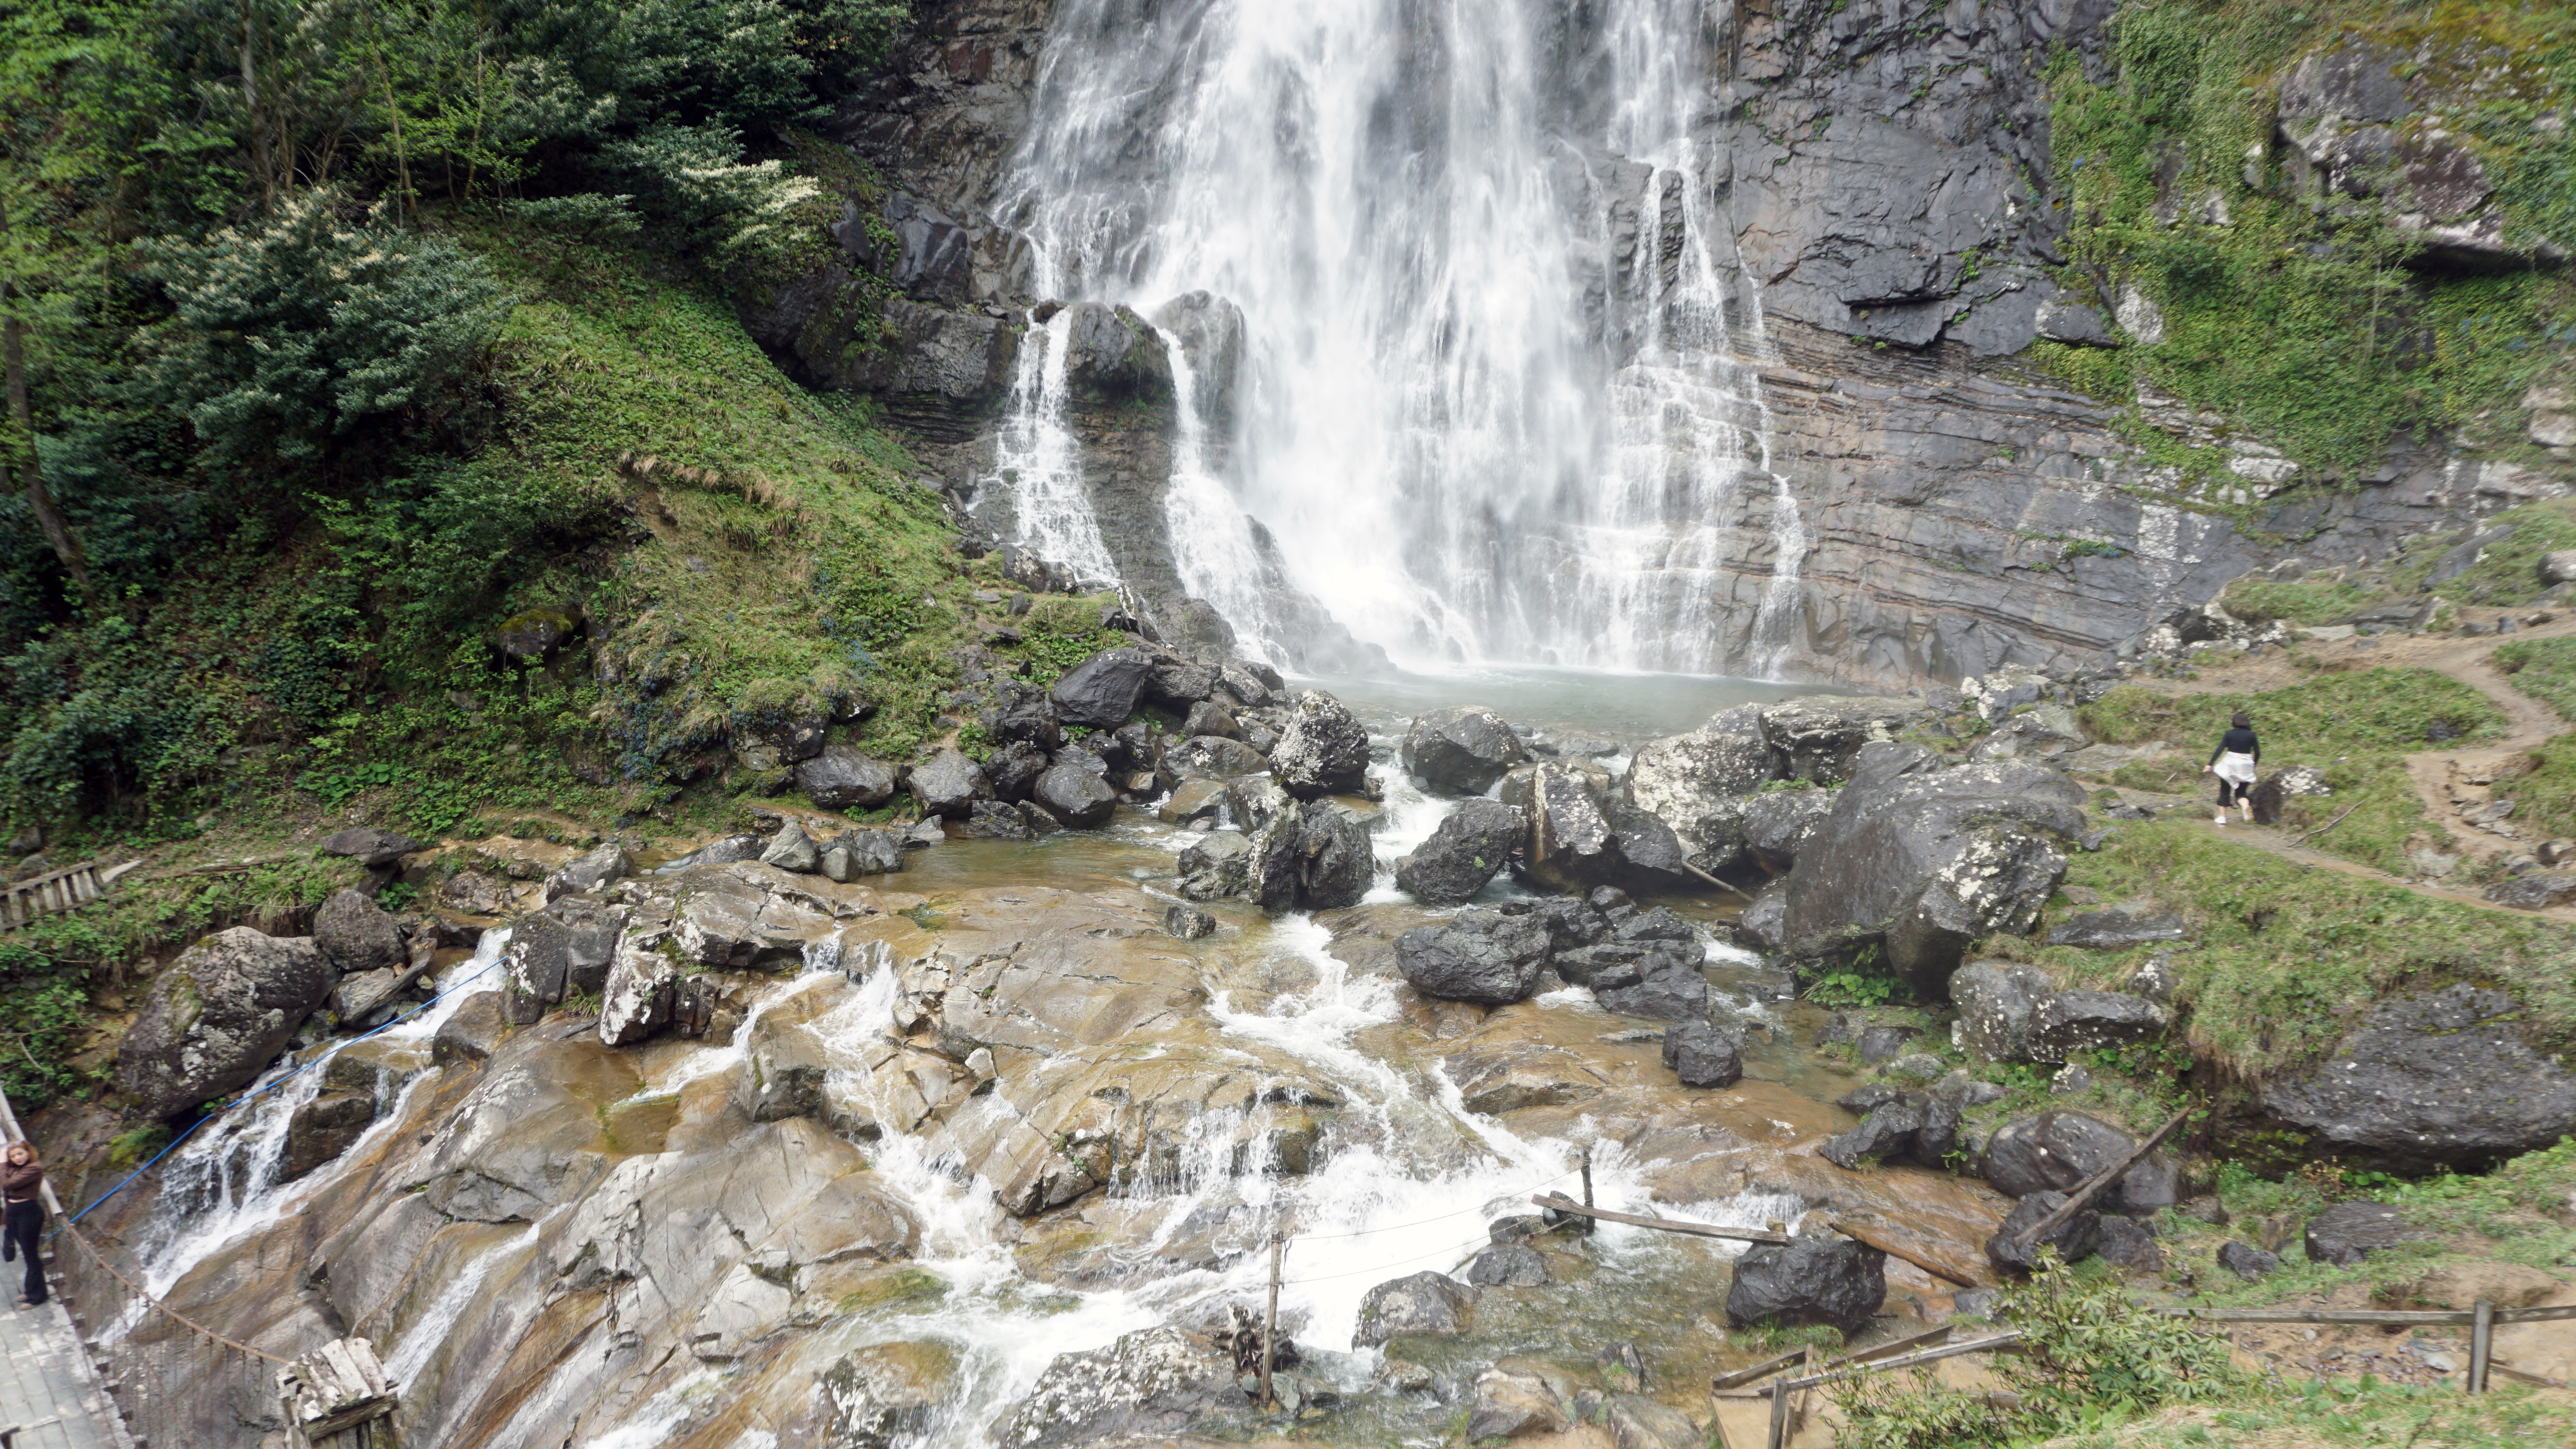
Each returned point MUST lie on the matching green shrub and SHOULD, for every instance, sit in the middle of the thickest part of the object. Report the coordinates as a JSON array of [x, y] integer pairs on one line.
[[2260, 601]]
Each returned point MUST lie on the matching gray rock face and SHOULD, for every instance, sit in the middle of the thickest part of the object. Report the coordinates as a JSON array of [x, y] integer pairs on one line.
[[1481, 956], [1464, 749], [2348, 1232], [1810, 1280], [1425, 1303], [1777, 823], [2071, 1021], [1151, 1382], [1013, 770], [949, 785], [1463, 853], [1075, 796], [2074, 1239], [569, 946], [636, 1001], [1101, 691], [355, 934], [324, 1128], [841, 778], [2438, 1078], [1324, 750], [1311, 857], [217, 1016], [1994, 999], [1507, 1265], [1924, 863], [1816, 737]]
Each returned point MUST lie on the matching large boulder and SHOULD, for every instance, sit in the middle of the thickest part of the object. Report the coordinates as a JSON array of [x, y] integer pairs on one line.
[[1469, 846], [1818, 737], [1101, 691], [1480, 956], [1465, 749], [1920, 862], [1572, 845], [1013, 770], [375, 849], [1150, 1383], [1076, 796], [567, 947], [1764, 925], [591, 870], [2015, 1248], [1663, 983], [1324, 750], [2071, 1021], [1309, 857], [218, 1016], [1809, 1280], [2433, 1079], [1214, 757], [949, 784], [357, 935], [2057, 1152], [1778, 823], [1888, 1131], [841, 778], [1995, 999], [1704, 1054], [1696, 783], [1515, 1400], [1021, 714], [2348, 1232], [792, 850], [1424, 1303], [1215, 865], [874, 1396]]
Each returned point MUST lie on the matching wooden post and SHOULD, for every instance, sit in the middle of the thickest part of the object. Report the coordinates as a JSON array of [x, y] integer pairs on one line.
[[1587, 1177], [2481, 1343], [1270, 1327], [1779, 1414]]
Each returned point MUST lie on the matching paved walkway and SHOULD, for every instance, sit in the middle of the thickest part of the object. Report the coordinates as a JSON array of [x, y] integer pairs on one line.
[[46, 1389]]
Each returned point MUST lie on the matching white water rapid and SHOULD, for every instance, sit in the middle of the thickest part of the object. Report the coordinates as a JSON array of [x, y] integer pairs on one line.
[[1496, 398]]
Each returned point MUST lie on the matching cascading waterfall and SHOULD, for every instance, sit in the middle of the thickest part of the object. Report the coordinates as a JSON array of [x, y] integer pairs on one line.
[[1036, 457], [1494, 402]]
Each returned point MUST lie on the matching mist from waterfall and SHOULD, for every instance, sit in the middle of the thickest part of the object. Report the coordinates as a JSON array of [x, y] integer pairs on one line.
[[1494, 402]]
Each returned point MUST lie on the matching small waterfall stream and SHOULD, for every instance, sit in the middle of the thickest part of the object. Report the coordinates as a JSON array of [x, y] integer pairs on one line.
[[1498, 398]]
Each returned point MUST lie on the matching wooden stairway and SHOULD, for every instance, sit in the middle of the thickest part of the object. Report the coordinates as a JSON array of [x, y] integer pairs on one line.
[[57, 891]]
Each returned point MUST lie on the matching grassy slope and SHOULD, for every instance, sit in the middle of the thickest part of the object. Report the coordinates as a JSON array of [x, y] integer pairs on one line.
[[2353, 726]]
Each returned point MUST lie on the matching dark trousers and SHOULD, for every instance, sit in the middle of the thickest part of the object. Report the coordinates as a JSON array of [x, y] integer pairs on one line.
[[2229, 792], [26, 1230]]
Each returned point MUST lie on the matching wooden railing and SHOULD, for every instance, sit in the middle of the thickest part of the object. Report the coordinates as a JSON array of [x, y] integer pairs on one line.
[[57, 891]]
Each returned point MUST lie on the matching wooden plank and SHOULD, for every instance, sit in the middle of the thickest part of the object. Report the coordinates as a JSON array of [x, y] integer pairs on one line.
[[1887, 1243], [1893, 1346], [1698, 1230], [2366, 1315], [1767, 1367], [1996, 1343]]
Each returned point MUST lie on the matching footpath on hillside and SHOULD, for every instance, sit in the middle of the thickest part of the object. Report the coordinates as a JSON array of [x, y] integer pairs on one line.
[[2450, 782]]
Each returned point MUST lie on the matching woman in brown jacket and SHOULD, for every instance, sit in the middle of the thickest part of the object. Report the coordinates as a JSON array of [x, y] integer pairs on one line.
[[22, 1183]]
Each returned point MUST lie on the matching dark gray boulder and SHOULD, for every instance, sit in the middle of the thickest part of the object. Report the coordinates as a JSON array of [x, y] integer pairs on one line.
[[792, 850], [2074, 1239], [1887, 1132], [2537, 890], [375, 849], [1507, 1265], [1309, 857], [1570, 922], [1764, 924], [1214, 866], [1660, 988], [1424, 1303], [1883, 1042], [2054, 1152], [2433, 1079], [567, 947], [218, 1016], [993, 820], [1209, 718], [1148, 1385], [1213, 757], [2118, 930], [1189, 923], [355, 934], [1181, 684], [2066, 1022], [2348, 1232], [1811, 1280], [1921, 863], [2130, 1245], [1243, 682], [1778, 823], [1704, 1054], [1013, 770], [1021, 714], [1650, 855], [1818, 737], [841, 778], [1994, 1000], [2247, 1261], [1101, 691], [865, 852], [1572, 845], [1465, 749], [1696, 783], [949, 785], [587, 872], [1464, 852], [1480, 956], [1075, 796], [1324, 750]]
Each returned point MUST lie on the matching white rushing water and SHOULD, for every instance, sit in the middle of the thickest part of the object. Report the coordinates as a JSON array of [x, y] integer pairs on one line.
[[1496, 399]]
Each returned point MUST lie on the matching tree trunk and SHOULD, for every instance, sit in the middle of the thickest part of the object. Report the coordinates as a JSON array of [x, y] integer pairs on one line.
[[13, 364]]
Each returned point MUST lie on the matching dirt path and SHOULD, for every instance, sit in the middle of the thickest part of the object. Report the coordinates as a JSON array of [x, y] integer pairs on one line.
[[2441, 777]]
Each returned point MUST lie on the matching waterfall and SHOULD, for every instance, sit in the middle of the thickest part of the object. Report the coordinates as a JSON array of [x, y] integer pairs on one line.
[[1496, 398], [1036, 457]]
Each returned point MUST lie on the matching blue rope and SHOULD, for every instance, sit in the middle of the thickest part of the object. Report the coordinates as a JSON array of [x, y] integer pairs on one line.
[[280, 1082]]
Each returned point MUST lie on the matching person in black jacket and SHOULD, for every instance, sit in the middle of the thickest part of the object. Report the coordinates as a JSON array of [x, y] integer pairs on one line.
[[22, 1184], [2233, 763]]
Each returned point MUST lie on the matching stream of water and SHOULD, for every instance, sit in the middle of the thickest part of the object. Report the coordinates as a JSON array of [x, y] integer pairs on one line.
[[1497, 398]]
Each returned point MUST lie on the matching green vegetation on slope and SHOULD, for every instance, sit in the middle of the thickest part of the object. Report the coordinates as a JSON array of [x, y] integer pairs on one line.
[[2353, 726], [2309, 322]]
